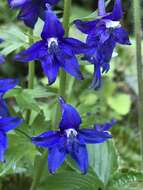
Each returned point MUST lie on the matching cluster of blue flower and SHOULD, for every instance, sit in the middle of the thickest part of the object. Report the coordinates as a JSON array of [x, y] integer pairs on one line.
[[56, 51]]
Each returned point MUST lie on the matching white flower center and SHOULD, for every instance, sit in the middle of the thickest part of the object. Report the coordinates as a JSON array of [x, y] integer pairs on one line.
[[112, 24], [52, 41], [71, 132]]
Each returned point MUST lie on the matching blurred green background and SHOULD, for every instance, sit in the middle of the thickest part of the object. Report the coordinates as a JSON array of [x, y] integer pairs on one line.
[[117, 97]]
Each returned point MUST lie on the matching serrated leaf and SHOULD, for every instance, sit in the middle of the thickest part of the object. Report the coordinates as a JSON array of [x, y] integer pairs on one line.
[[127, 181]]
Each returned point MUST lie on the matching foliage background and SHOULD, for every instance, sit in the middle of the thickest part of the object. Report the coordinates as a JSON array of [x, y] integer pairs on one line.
[[117, 99]]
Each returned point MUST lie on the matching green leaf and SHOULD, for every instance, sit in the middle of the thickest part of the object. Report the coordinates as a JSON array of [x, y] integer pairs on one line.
[[121, 103], [103, 160], [126, 181], [71, 181]]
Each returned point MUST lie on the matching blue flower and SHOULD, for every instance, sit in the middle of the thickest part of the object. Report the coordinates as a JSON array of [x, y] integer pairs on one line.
[[31, 9], [5, 85], [55, 51], [103, 35], [2, 59], [70, 139], [6, 124]]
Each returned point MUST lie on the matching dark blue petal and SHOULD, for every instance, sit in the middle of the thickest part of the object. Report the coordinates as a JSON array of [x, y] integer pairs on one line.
[[77, 46], [106, 126], [94, 136], [3, 145], [86, 26], [35, 52], [29, 13], [121, 36], [51, 67], [69, 62], [9, 123], [52, 2], [47, 139], [80, 155], [17, 3], [3, 109], [2, 59], [7, 84], [52, 27], [117, 12], [101, 8], [96, 82], [56, 156], [70, 117]]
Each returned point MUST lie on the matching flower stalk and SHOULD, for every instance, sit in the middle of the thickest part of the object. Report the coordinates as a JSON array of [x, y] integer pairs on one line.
[[31, 75], [138, 34], [66, 25]]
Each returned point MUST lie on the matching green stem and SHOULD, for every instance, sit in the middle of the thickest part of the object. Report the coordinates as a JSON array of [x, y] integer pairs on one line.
[[63, 77], [31, 75], [40, 162], [138, 34], [66, 25]]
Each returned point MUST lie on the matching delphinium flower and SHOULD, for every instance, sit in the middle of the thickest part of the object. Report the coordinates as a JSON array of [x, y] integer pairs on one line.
[[54, 51], [70, 139], [31, 9], [2, 59], [5, 85], [7, 122], [103, 35]]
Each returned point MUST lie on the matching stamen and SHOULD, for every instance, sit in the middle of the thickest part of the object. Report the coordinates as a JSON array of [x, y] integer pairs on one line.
[[52, 41], [71, 133], [112, 24]]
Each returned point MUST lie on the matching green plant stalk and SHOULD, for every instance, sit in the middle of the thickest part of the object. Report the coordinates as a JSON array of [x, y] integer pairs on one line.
[[138, 34], [62, 92], [66, 25], [31, 75], [63, 77], [39, 165]]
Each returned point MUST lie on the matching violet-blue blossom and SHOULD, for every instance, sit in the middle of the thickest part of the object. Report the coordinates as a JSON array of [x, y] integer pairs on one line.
[[54, 51], [7, 122], [5, 85], [30, 10], [103, 35], [70, 139]]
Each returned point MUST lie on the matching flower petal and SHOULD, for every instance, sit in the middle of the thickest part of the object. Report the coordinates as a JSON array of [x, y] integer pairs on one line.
[[17, 3], [47, 139], [121, 36], [52, 2], [94, 136], [117, 12], [69, 62], [2, 59], [52, 27], [80, 155], [56, 156], [36, 51], [51, 67], [3, 109], [29, 13], [86, 26], [3, 145], [96, 82], [77, 46], [7, 84], [70, 116], [9, 123]]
